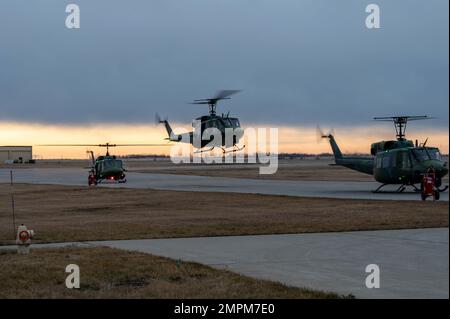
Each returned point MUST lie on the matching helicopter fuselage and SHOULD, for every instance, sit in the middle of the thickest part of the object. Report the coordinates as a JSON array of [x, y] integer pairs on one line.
[[394, 162], [108, 168], [211, 125], [407, 165], [206, 130], [210, 130]]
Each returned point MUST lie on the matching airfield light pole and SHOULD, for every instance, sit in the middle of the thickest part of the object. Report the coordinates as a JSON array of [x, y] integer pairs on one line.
[[13, 204]]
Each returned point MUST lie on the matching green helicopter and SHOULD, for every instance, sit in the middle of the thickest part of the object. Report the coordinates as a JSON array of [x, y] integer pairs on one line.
[[396, 162]]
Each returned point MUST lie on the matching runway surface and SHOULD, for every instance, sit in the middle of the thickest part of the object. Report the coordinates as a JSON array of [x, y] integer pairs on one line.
[[412, 263], [329, 189]]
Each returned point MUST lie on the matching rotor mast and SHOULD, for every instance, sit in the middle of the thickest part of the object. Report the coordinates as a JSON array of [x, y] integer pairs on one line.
[[400, 123], [400, 127], [212, 107], [212, 102], [107, 145]]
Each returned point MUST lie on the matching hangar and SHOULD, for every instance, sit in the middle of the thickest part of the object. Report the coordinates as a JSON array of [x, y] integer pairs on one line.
[[18, 154]]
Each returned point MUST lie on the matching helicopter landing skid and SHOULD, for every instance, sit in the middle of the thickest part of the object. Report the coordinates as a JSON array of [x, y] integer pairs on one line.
[[235, 149], [400, 189], [109, 181], [204, 151], [224, 151]]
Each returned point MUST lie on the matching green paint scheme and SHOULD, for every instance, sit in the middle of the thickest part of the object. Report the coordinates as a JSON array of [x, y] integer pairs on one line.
[[108, 167], [204, 127], [400, 163], [395, 162]]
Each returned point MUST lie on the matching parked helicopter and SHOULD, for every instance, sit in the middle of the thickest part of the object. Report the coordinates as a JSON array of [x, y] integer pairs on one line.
[[400, 162], [105, 167], [224, 123]]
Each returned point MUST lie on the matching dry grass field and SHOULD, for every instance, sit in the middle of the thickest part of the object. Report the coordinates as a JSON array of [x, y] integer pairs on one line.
[[112, 273], [68, 213], [306, 170]]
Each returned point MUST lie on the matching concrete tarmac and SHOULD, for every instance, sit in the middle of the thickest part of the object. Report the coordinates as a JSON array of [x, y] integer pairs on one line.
[[413, 263], [328, 189]]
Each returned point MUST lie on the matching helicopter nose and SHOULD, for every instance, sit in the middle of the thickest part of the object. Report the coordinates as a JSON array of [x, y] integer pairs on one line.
[[444, 170], [441, 169], [239, 132]]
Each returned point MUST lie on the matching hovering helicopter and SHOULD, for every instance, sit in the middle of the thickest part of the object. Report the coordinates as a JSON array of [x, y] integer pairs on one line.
[[400, 162], [105, 167], [223, 123]]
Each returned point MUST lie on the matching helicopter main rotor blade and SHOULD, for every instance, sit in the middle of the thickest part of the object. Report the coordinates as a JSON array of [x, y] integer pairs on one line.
[[90, 145], [408, 118], [142, 145], [102, 145], [223, 94], [201, 102]]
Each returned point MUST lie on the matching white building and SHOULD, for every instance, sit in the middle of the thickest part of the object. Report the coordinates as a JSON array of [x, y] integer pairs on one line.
[[21, 154]]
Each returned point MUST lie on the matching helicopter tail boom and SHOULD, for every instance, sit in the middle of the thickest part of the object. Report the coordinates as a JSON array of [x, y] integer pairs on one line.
[[358, 163]]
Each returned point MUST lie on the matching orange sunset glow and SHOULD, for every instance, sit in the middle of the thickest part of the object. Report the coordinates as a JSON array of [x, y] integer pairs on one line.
[[291, 139]]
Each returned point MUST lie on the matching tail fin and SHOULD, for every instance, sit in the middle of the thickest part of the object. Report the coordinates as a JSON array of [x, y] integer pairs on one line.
[[336, 151], [320, 135], [169, 130], [91, 153]]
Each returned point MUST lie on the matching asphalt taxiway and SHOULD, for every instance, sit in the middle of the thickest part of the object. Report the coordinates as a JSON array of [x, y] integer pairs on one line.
[[327, 189], [413, 263]]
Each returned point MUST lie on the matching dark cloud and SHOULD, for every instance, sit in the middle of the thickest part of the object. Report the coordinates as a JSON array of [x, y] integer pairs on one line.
[[298, 62]]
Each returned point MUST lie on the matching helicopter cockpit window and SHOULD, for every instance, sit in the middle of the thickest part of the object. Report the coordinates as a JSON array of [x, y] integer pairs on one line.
[[235, 122], [111, 164], [435, 154], [211, 124], [426, 154], [228, 122]]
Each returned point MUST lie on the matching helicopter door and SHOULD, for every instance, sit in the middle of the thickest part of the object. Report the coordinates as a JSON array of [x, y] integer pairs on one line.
[[383, 167], [403, 160], [391, 165], [404, 165]]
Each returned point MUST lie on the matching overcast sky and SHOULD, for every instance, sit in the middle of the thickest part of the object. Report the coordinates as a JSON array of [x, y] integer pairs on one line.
[[298, 62]]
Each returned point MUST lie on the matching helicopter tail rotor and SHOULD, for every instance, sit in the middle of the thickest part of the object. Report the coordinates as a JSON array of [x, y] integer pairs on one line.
[[320, 134], [159, 120], [330, 136], [91, 156]]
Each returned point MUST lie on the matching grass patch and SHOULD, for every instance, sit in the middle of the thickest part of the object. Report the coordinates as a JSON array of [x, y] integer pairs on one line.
[[114, 273], [68, 213]]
